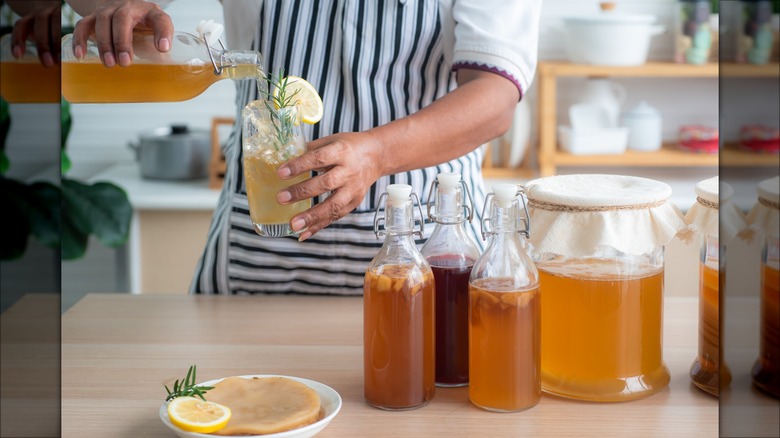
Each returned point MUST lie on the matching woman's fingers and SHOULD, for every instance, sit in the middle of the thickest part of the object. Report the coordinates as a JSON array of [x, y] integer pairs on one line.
[[81, 33], [22, 28], [338, 205], [104, 23]]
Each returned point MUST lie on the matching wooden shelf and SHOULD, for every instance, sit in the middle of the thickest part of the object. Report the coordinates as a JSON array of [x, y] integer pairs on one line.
[[732, 156], [733, 70], [508, 173], [650, 69], [670, 155]]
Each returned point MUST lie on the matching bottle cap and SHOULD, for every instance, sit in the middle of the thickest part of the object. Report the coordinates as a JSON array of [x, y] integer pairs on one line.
[[505, 193], [448, 181], [209, 30], [398, 193]]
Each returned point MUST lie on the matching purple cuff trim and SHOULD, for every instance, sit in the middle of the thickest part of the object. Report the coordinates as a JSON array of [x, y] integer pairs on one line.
[[484, 67]]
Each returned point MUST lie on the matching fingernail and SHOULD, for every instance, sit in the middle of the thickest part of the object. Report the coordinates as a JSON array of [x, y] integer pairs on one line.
[[283, 197], [124, 59], [48, 61], [17, 51], [298, 224], [305, 235], [165, 44], [108, 59], [283, 172], [78, 51]]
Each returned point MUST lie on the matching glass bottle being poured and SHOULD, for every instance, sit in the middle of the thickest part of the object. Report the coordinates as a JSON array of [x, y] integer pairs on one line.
[[185, 71]]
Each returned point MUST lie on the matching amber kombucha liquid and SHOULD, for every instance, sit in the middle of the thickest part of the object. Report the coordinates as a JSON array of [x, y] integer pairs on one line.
[[602, 331], [262, 185], [29, 82], [398, 337], [708, 370], [504, 343], [84, 82], [766, 371]]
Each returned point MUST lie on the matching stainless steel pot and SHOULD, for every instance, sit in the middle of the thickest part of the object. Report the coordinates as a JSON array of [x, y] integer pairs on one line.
[[173, 153]]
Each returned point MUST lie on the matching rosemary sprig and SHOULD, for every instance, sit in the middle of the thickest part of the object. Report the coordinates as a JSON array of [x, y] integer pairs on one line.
[[187, 387], [277, 105]]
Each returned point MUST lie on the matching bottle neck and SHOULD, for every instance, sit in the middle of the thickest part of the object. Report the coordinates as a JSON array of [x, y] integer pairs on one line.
[[399, 220], [241, 64]]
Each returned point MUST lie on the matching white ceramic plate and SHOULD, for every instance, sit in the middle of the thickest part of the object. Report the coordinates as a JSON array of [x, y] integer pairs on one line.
[[329, 399]]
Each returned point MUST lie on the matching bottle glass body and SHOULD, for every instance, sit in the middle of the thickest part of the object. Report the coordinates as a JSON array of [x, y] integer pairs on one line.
[[26, 80], [766, 370], [184, 72], [266, 147], [504, 320], [451, 253], [708, 370], [398, 319], [602, 319]]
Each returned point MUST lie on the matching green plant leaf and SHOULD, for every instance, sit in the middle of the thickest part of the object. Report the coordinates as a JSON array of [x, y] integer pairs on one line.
[[5, 123], [14, 219], [65, 162], [66, 120], [5, 164], [74, 242], [44, 209], [101, 208]]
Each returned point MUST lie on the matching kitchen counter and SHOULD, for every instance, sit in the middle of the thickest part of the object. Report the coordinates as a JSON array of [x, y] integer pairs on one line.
[[146, 194], [119, 350]]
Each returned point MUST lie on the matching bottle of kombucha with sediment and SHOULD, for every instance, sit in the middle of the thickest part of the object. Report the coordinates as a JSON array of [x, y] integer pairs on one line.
[[504, 311], [398, 313]]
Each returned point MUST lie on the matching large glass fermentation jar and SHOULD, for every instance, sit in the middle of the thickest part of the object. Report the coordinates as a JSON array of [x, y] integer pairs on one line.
[[598, 243], [398, 312], [715, 221], [765, 217], [26, 79], [504, 310]]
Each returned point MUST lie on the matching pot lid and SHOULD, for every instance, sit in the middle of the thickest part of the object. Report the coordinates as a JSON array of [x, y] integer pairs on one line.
[[608, 15], [174, 132], [643, 109]]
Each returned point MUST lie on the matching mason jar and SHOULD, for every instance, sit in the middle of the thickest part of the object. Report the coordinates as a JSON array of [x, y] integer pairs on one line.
[[598, 245]]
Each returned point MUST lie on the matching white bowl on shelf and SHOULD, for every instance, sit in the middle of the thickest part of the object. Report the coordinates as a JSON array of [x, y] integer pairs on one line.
[[593, 141]]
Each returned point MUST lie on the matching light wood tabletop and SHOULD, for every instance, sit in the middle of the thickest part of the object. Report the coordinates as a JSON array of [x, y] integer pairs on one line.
[[118, 350]]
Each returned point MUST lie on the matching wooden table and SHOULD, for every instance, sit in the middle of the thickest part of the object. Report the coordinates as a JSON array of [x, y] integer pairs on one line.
[[117, 350]]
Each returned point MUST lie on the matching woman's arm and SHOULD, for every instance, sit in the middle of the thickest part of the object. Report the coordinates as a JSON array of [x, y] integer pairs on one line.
[[479, 110]]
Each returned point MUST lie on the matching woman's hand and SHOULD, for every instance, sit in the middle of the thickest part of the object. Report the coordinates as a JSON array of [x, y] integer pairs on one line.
[[348, 164], [43, 23], [113, 22]]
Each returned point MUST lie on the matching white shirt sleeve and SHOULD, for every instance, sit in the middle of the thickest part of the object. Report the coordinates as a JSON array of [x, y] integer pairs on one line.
[[500, 36]]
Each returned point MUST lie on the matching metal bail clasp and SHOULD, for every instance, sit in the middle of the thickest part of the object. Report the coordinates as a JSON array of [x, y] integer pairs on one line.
[[468, 209], [380, 220], [217, 68], [524, 223]]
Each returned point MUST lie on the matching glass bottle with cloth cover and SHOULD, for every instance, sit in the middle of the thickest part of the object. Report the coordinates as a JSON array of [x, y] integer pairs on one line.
[[765, 218], [598, 244], [716, 222], [451, 254], [504, 310], [185, 71], [398, 311]]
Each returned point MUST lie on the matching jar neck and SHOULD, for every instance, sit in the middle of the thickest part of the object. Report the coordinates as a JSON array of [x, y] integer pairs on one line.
[[449, 206], [240, 64], [399, 220]]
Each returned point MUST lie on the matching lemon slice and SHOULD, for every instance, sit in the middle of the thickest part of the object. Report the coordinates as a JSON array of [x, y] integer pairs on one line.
[[195, 415], [308, 100]]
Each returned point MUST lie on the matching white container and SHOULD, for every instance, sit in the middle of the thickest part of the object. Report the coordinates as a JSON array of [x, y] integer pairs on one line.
[[610, 38], [607, 94], [644, 128], [593, 141]]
